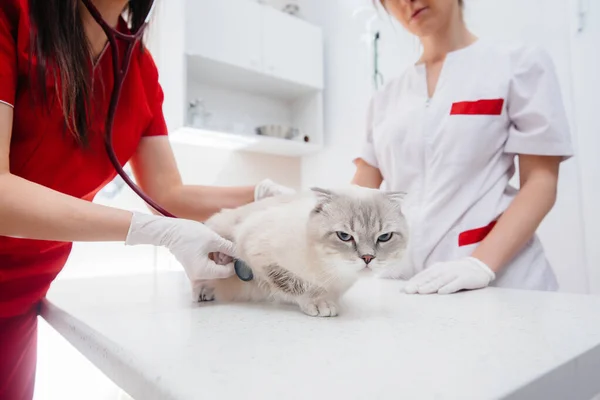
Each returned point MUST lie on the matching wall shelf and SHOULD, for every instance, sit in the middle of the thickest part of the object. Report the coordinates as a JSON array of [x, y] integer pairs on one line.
[[247, 64], [204, 70], [246, 143]]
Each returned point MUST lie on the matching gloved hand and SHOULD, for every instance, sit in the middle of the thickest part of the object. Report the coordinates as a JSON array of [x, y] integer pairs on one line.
[[450, 277], [268, 188], [189, 241]]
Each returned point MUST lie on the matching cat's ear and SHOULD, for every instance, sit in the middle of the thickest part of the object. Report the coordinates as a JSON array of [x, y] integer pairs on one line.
[[397, 197], [324, 196]]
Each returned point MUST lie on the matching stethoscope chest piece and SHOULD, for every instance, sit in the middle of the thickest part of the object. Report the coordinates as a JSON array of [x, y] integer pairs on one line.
[[243, 271]]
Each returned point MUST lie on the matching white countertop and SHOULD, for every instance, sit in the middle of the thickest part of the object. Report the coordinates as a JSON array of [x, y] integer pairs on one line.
[[145, 334]]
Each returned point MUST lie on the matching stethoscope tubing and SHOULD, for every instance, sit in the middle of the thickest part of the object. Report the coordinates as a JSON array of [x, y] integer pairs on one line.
[[242, 270]]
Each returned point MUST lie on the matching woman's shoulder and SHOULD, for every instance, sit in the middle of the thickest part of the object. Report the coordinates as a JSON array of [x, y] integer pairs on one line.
[[148, 66], [519, 55], [14, 28], [13, 6], [13, 12]]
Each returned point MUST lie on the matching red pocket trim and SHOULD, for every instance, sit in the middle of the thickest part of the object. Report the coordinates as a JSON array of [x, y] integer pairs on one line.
[[479, 107], [473, 236]]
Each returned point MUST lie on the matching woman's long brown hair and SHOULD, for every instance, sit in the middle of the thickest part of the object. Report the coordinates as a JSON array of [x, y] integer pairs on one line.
[[59, 44]]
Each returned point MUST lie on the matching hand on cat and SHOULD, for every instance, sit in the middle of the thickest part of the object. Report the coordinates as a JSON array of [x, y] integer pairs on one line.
[[268, 188], [450, 277], [191, 242]]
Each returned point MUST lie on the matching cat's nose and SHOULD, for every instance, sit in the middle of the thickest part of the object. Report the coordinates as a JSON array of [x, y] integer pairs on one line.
[[367, 258]]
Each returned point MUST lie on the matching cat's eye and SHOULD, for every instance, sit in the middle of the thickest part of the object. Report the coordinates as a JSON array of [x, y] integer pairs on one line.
[[385, 237], [344, 237]]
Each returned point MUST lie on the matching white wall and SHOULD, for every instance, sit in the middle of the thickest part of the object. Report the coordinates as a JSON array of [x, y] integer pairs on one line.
[[585, 65], [346, 90], [545, 22]]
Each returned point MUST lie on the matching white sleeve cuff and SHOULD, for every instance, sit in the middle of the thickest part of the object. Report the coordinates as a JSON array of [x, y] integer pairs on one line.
[[368, 155], [540, 148]]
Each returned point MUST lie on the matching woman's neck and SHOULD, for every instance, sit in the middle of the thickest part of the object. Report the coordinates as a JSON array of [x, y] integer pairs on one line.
[[111, 11], [453, 36]]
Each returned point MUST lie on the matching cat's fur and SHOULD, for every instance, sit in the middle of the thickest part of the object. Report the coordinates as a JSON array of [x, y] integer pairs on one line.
[[291, 244]]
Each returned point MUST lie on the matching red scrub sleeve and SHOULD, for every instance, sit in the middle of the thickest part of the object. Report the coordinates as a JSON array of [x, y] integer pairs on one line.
[[155, 94], [539, 124], [8, 52]]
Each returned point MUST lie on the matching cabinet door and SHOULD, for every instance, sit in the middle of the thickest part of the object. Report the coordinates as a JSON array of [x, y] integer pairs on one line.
[[292, 48], [227, 31]]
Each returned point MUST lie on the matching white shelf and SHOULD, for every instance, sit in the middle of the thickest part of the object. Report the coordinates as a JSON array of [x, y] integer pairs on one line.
[[205, 70], [248, 143]]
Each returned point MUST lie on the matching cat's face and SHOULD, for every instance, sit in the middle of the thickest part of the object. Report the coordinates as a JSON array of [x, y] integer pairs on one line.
[[358, 228]]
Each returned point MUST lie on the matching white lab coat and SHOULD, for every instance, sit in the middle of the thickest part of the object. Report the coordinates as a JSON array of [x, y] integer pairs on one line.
[[454, 154]]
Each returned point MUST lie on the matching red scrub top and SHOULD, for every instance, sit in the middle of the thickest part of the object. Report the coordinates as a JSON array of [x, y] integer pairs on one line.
[[42, 152]]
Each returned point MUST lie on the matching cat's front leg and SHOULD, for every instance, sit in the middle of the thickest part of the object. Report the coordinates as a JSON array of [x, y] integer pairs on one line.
[[203, 291], [313, 300], [319, 307]]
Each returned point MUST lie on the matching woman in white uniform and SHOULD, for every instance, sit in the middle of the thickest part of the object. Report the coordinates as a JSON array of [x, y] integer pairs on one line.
[[447, 133]]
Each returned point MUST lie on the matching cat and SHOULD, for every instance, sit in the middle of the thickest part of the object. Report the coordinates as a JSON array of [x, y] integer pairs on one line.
[[309, 248]]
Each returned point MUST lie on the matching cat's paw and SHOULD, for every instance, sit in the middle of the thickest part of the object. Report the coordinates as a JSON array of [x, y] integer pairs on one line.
[[320, 308], [206, 294], [202, 291]]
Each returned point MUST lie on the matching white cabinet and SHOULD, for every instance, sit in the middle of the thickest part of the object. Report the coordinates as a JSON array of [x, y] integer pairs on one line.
[[226, 31], [254, 37], [250, 65], [292, 48]]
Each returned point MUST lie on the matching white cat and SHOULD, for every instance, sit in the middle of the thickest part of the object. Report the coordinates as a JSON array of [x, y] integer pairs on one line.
[[309, 248]]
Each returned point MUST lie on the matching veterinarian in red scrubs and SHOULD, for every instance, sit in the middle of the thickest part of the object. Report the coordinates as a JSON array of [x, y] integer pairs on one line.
[[56, 78]]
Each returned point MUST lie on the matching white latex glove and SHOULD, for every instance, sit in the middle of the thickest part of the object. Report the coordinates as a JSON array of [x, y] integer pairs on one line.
[[189, 241], [450, 277], [268, 188]]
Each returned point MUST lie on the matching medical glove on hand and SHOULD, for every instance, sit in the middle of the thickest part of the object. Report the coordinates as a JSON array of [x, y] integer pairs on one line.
[[191, 242], [450, 277], [268, 188]]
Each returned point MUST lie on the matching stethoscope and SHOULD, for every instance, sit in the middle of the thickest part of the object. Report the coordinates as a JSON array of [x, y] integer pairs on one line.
[[120, 70]]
